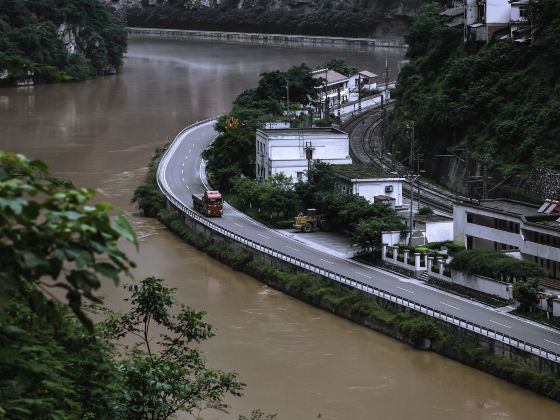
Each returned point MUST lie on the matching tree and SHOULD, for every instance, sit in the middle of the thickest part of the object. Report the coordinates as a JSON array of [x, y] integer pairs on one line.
[[170, 374], [527, 294], [368, 231], [52, 237], [339, 65]]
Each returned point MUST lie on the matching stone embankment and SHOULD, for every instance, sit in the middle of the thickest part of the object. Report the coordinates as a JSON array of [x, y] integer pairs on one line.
[[259, 38]]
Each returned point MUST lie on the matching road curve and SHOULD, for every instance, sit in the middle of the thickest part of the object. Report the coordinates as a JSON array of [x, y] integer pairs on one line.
[[181, 173]]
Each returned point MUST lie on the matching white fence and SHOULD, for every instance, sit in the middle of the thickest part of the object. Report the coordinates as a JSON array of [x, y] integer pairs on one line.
[[375, 291]]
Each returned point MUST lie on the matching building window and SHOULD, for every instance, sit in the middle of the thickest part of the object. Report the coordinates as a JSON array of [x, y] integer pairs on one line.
[[524, 12], [299, 176]]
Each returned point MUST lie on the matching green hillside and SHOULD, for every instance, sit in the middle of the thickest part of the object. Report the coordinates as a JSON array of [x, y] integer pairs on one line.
[[32, 36], [500, 101]]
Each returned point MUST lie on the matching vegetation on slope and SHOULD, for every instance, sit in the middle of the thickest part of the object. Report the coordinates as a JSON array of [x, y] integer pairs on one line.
[[31, 39], [258, 16], [500, 102], [55, 362]]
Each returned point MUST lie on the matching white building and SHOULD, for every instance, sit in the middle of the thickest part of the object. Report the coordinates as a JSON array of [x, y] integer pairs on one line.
[[502, 225], [291, 150], [520, 28], [366, 182], [486, 19], [364, 81], [436, 228], [333, 91]]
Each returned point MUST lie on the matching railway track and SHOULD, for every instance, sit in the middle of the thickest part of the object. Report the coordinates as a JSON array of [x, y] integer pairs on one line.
[[365, 148]]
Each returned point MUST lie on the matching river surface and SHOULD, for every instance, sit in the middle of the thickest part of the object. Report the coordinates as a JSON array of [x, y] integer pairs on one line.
[[298, 361]]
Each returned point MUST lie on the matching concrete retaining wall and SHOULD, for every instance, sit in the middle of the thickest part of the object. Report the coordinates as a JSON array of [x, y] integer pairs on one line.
[[243, 37], [494, 346]]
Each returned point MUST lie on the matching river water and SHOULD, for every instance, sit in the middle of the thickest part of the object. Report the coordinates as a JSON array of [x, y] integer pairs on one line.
[[298, 361]]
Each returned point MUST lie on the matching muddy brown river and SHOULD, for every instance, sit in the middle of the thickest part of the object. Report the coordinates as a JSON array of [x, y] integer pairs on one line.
[[298, 361]]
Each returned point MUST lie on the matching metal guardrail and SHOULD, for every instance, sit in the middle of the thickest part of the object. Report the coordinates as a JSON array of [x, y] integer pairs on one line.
[[451, 319]]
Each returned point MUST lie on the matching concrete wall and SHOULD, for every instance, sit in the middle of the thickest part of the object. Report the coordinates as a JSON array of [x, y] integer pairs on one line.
[[439, 231], [279, 39], [493, 345], [498, 11], [483, 284], [369, 189]]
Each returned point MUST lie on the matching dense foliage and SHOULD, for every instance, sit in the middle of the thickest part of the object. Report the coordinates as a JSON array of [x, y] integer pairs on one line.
[[233, 152], [256, 16], [31, 39], [54, 362], [54, 238], [500, 101], [495, 265]]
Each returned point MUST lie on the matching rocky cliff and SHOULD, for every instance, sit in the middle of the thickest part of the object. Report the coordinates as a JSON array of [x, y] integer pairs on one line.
[[382, 18]]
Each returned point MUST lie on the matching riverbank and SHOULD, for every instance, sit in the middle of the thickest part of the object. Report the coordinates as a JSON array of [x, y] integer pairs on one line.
[[407, 325], [268, 39]]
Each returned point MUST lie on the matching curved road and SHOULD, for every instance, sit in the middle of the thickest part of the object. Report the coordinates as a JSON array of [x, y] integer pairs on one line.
[[182, 173]]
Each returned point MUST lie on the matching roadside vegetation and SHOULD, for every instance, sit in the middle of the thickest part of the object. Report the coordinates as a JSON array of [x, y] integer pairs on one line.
[[57, 248], [31, 40], [497, 102], [417, 330]]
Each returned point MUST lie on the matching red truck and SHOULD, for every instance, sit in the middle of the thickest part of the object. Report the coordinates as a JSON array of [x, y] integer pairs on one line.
[[210, 203]]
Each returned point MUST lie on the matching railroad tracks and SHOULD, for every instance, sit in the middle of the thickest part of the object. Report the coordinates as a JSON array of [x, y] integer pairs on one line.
[[366, 148]]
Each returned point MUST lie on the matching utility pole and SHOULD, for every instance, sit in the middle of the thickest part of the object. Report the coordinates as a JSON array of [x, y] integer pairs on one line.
[[419, 159], [411, 159], [383, 100], [287, 98], [411, 177], [359, 93]]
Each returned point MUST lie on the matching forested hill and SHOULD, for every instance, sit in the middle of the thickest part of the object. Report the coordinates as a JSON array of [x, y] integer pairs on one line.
[[499, 102], [382, 18], [59, 40]]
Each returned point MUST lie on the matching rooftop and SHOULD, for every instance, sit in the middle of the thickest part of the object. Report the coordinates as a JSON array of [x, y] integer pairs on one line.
[[360, 172], [504, 205], [330, 76], [431, 218], [367, 73], [303, 131]]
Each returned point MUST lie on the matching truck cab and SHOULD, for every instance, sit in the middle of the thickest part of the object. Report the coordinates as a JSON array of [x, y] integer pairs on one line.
[[210, 203]]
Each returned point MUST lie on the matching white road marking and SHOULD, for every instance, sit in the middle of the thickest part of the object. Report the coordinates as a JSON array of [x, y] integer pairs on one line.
[[265, 237], [238, 225], [553, 342], [183, 179], [183, 164], [406, 290], [451, 306], [503, 325], [362, 274], [330, 262], [187, 187], [190, 151], [292, 248], [182, 171]]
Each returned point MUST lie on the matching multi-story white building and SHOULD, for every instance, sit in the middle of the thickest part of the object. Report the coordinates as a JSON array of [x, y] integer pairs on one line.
[[333, 90], [502, 225], [290, 151], [485, 19], [366, 182]]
